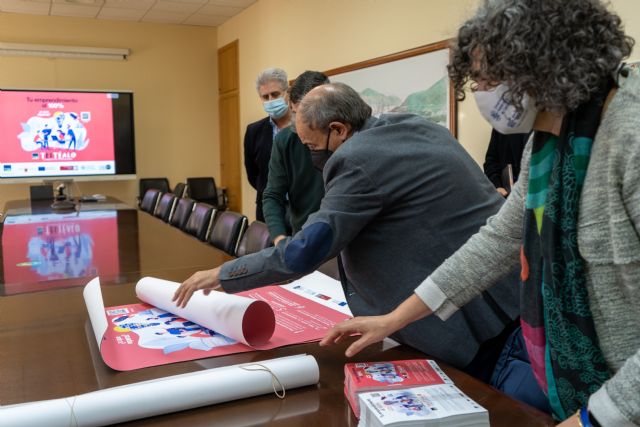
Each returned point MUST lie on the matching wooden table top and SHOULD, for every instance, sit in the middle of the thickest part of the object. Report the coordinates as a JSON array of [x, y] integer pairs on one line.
[[47, 348]]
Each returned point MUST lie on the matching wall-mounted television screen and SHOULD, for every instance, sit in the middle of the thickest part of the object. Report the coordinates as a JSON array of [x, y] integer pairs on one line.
[[66, 134]]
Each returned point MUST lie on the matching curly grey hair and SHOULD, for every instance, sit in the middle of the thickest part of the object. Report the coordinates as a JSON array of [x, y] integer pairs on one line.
[[272, 74], [558, 51], [334, 102]]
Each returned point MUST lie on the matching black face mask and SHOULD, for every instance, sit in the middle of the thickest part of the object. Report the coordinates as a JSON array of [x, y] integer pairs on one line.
[[319, 158]]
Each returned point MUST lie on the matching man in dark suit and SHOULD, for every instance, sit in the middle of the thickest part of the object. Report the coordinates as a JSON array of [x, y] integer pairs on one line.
[[271, 85], [401, 196]]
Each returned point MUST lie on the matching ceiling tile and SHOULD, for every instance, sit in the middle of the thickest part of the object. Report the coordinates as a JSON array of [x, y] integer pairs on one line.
[[175, 6], [212, 9], [233, 3], [166, 17], [206, 20], [22, 6], [121, 14], [79, 2], [130, 4], [188, 12], [74, 10]]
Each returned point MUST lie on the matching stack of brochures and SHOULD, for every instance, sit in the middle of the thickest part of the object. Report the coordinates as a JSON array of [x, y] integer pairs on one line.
[[408, 393]]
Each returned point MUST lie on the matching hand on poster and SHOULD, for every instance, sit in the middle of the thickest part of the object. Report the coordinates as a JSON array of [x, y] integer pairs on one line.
[[206, 280]]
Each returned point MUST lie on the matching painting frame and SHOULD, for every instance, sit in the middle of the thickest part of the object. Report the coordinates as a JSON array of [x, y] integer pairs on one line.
[[399, 58]]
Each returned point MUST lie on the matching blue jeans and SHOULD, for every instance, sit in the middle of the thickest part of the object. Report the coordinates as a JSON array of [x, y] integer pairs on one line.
[[513, 374]]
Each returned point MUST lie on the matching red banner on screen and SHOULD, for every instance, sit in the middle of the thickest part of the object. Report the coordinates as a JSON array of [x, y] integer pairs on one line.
[[56, 126]]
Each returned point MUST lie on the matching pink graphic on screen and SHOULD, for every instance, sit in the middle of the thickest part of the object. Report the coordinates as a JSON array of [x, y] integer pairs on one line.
[[51, 250], [56, 126]]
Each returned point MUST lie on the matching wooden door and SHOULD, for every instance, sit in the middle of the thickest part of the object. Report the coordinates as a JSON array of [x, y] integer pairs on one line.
[[229, 111]]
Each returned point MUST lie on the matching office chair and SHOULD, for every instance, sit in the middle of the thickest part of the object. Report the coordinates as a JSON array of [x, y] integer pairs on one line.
[[180, 190], [165, 207], [227, 230], [203, 190], [145, 184], [200, 220], [255, 239], [181, 213], [150, 200]]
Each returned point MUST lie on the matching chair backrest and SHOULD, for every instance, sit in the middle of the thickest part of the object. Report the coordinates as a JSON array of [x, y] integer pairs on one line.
[[255, 239], [150, 200], [180, 190], [161, 184], [199, 222], [227, 230], [165, 206], [203, 190], [181, 213]]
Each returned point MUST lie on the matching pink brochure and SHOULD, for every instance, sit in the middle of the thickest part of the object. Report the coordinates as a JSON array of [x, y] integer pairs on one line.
[[157, 332]]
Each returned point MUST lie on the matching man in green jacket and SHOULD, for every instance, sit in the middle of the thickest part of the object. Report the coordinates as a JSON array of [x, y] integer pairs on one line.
[[292, 176]]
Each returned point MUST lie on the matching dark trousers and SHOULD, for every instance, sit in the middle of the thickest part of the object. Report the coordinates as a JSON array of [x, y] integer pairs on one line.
[[259, 214]]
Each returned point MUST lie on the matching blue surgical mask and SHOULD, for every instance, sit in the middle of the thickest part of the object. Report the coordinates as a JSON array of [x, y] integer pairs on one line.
[[276, 108]]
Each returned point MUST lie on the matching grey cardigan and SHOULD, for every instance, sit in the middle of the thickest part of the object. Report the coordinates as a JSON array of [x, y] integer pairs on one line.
[[608, 239]]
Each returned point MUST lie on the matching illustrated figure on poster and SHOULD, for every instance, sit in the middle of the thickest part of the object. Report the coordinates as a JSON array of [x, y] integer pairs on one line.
[[42, 137], [158, 329], [404, 402], [384, 373], [61, 257], [65, 128], [72, 137]]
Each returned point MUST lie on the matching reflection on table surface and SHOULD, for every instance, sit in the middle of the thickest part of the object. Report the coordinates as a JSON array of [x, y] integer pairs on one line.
[[47, 352], [48, 251]]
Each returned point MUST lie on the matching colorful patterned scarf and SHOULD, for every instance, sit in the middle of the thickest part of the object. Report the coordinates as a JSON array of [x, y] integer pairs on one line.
[[556, 319]]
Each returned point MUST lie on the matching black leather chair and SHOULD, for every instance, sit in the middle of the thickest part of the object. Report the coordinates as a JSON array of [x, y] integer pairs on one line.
[[181, 213], [255, 239], [203, 190], [150, 200], [165, 206], [199, 222], [227, 230], [180, 190], [145, 184]]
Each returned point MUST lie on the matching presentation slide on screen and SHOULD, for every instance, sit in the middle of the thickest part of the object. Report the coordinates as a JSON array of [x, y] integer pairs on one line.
[[47, 248], [56, 134]]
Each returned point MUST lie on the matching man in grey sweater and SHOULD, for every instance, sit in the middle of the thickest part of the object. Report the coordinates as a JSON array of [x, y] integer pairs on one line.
[[401, 196]]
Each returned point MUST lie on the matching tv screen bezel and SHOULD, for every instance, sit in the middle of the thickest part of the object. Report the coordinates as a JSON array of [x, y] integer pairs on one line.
[[129, 174]]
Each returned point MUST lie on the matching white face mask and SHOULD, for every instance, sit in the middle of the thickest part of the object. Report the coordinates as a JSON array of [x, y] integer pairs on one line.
[[503, 116]]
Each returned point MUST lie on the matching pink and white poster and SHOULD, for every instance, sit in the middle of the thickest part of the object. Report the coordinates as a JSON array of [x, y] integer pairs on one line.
[[56, 133], [157, 332]]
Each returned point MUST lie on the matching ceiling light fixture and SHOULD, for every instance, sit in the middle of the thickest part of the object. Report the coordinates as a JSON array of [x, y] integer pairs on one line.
[[56, 51]]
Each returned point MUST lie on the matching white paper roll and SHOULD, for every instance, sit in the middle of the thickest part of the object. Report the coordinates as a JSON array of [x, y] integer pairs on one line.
[[164, 395], [244, 319]]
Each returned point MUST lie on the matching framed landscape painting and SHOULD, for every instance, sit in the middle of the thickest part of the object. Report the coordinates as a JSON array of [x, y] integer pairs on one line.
[[413, 81]]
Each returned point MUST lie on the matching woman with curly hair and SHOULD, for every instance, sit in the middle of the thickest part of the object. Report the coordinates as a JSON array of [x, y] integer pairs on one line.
[[572, 220]]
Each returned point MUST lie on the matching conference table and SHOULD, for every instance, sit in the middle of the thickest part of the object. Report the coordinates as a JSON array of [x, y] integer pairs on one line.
[[47, 350]]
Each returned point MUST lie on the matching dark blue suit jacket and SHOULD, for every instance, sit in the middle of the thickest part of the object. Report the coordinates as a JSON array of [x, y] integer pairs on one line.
[[258, 140]]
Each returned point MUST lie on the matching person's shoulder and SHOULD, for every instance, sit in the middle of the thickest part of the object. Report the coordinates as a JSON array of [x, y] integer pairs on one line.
[[258, 124], [621, 120], [397, 121], [285, 136]]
